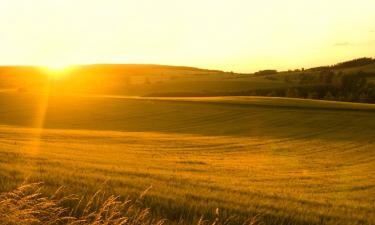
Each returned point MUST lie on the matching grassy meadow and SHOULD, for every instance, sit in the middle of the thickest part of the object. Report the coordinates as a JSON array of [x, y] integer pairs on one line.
[[288, 161]]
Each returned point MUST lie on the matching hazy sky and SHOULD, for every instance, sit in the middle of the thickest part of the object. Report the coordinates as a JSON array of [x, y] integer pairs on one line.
[[238, 35]]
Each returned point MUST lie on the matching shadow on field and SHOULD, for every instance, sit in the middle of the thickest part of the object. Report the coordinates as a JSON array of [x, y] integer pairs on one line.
[[200, 118]]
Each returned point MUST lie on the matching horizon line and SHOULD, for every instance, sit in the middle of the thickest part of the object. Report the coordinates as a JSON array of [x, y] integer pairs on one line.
[[173, 65]]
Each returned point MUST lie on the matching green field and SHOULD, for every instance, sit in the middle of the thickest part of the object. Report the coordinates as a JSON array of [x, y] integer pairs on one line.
[[289, 161]]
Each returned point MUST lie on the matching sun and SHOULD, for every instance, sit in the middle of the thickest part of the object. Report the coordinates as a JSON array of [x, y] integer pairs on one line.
[[57, 67], [57, 71]]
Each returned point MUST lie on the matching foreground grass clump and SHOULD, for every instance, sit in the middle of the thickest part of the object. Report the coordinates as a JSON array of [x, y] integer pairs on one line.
[[27, 205]]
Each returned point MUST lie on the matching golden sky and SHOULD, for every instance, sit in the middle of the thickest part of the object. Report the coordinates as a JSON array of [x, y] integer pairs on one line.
[[238, 35]]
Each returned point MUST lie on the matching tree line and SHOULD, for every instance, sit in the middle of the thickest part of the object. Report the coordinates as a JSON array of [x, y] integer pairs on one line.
[[328, 85]]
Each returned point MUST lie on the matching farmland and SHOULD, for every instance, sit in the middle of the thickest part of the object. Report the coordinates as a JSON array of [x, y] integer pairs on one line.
[[291, 161], [187, 112]]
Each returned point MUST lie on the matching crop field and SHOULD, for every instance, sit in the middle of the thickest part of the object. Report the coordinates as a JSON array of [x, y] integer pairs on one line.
[[286, 161]]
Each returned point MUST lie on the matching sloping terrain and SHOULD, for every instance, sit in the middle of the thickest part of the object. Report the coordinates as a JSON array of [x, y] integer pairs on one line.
[[289, 161]]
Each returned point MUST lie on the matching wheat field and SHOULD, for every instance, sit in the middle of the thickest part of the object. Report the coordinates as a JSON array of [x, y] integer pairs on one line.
[[285, 161]]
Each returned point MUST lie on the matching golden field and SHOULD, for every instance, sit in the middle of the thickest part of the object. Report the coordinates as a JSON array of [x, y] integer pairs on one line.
[[287, 161]]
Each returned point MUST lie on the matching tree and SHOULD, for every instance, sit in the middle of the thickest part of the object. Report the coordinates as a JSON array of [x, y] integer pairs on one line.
[[306, 78], [287, 79], [371, 92], [272, 94], [313, 95], [363, 97], [292, 93], [353, 83], [329, 96], [336, 80], [351, 97], [326, 77], [266, 72]]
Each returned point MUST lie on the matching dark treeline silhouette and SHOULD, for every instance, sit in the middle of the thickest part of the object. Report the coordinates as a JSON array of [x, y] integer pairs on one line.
[[328, 85], [334, 82], [265, 72], [325, 85]]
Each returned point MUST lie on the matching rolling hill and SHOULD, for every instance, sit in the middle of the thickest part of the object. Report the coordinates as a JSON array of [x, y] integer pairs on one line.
[[172, 81], [289, 161]]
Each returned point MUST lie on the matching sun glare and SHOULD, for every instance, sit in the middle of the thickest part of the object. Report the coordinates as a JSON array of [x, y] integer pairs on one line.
[[57, 67], [56, 71]]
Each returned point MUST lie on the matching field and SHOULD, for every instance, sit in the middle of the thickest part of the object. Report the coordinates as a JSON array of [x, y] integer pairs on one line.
[[288, 161]]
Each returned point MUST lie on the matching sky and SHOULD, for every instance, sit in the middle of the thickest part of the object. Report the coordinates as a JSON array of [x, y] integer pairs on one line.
[[231, 35]]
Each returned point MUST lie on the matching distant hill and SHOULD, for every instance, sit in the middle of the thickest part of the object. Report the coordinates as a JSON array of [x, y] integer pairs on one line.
[[346, 81], [83, 78], [139, 69], [355, 63]]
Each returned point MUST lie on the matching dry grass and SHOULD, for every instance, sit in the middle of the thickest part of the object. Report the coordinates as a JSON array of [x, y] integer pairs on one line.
[[27, 205]]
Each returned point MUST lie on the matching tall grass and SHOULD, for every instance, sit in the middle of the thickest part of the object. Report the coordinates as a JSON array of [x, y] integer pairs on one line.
[[27, 205]]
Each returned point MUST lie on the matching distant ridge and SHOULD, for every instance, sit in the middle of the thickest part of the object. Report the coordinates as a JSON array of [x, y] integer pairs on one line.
[[118, 67], [364, 61], [111, 67]]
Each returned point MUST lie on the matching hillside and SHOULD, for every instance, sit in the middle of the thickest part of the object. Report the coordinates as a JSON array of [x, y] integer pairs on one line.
[[337, 82], [288, 161]]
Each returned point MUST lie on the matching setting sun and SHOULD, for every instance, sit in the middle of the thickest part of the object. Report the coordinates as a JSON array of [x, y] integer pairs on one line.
[[56, 71], [57, 67]]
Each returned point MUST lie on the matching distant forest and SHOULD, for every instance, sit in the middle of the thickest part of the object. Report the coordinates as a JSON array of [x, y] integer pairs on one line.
[[329, 83], [340, 82]]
